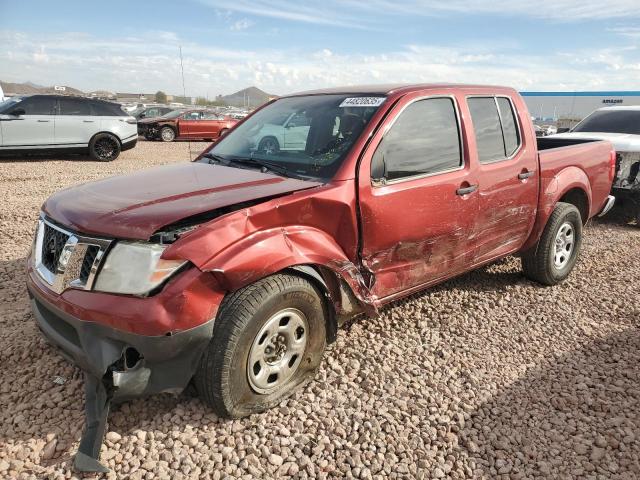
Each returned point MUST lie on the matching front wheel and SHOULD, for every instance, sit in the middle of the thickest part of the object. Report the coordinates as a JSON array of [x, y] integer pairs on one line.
[[268, 340], [104, 147], [167, 134], [552, 259], [269, 146]]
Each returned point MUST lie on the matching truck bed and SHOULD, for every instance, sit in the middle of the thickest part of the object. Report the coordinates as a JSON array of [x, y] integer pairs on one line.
[[577, 158]]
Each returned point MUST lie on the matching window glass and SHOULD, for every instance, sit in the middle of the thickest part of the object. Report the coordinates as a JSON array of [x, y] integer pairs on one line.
[[616, 120], [193, 116], [315, 150], [424, 139], [509, 126], [486, 124], [37, 105], [74, 106], [210, 116], [106, 109], [298, 120]]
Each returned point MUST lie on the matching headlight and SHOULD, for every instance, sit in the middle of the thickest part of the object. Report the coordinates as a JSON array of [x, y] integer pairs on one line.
[[135, 268]]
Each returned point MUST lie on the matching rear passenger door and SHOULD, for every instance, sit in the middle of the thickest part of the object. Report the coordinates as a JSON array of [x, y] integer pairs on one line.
[[189, 124], [75, 124], [507, 178], [417, 192]]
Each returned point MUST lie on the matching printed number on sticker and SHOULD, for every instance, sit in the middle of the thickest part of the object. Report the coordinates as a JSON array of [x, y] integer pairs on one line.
[[362, 102]]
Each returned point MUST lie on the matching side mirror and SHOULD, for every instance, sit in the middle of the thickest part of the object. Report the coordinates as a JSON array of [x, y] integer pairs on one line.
[[17, 112], [142, 115]]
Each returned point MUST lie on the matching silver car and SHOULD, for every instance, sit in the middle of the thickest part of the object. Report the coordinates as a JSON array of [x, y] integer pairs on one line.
[[54, 122]]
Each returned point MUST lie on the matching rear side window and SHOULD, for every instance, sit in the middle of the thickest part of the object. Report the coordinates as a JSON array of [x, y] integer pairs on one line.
[[106, 109], [495, 127], [509, 126], [73, 106], [424, 139], [37, 106]]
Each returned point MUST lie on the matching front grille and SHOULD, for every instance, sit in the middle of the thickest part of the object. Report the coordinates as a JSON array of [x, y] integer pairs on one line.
[[87, 262], [52, 244], [65, 259]]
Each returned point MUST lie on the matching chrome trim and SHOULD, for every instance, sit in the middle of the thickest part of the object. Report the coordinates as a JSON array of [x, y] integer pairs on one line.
[[384, 182], [608, 205], [69, 267], [515, 111]]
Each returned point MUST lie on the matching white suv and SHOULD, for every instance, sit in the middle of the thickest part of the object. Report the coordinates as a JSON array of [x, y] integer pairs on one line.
[[53, 122]]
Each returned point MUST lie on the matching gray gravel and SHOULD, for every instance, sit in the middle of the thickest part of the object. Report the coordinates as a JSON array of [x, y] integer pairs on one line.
[[487, 376]]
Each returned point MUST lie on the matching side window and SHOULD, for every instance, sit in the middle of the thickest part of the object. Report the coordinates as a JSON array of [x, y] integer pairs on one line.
[[424, 139], [299, 120], [509, 126], [495, 127], [486, 124], [37, 106], [73, 106], [210, 116], [192, 116], [104, 109]]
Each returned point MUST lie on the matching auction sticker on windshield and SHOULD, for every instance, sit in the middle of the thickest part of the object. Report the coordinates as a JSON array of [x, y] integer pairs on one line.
[[362, 102]]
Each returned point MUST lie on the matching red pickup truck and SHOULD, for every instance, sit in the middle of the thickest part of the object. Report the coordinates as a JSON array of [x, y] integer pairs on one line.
[[237, 269]]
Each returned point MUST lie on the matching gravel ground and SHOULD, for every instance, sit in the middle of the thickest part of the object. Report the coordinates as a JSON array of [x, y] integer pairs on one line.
[[486, 376]]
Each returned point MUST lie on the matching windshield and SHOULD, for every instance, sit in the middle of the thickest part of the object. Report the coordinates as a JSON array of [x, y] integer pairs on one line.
[[8, 103], [306, 137], [174, 114], [611, 121]]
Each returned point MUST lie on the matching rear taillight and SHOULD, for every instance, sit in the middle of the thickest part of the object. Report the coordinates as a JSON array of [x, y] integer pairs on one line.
[[612, 165]]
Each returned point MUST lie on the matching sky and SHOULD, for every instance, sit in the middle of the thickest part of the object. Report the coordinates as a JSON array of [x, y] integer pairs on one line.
[[282, 46]]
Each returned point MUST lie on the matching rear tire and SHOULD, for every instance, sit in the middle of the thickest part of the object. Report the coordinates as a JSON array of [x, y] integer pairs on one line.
[[552, 259], [104, 147], [268, 340], [167, 134]]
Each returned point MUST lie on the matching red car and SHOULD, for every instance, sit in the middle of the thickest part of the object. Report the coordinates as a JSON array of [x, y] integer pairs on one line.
[[185, 124], [237, 269]]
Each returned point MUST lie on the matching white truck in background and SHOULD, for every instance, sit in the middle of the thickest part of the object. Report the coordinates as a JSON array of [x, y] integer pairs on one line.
[[620, 126]]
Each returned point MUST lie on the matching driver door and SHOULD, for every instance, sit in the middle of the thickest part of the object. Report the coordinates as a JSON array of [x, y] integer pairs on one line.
[[35, 127]]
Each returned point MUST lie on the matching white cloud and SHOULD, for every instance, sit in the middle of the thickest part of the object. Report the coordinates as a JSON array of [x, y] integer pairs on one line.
[[150, 62], [367, 14], [242, 24]]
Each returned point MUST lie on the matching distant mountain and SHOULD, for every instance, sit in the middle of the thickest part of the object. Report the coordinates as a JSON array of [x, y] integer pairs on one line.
[[29, 88], [249, 97]]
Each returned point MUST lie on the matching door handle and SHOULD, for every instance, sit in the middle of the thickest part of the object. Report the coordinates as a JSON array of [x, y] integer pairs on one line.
[[466, 190], [525, 175], [88, 121], [43, 121]]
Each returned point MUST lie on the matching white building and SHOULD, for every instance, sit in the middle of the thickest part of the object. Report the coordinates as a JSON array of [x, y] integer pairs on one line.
[[550, 106]]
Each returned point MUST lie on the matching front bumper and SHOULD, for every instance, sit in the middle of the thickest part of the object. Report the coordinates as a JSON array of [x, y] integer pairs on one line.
[[144, 345], [139, 364]]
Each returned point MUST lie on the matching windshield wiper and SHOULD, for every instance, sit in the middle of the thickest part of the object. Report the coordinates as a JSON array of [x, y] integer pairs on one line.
[[252, 162], [257, 162], [217, 158]]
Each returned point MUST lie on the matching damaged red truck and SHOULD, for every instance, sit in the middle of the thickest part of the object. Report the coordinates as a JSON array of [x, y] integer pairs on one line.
[[235, 270]]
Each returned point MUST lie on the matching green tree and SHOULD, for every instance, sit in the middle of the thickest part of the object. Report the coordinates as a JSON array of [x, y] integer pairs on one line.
[[161, 97]]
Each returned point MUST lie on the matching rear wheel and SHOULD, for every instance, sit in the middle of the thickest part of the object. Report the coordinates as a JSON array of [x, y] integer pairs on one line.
[[104, 147], [167, 134], [268, 340], [551, 260]]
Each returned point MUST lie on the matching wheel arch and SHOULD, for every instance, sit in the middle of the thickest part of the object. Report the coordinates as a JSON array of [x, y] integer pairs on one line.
[[108, 132]]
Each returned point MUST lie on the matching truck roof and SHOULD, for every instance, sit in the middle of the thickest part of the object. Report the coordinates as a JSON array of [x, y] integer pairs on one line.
[[392, 88]]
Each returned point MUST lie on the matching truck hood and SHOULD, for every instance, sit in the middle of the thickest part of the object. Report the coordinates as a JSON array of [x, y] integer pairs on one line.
[[622, 142], [137, 205]]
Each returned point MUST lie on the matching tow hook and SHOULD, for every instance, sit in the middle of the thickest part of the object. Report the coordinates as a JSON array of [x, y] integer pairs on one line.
[[98, 394]]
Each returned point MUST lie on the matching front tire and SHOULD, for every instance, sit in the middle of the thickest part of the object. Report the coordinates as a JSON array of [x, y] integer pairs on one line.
[[268, 340], [104, 147], [552, 259], [167, 134]]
